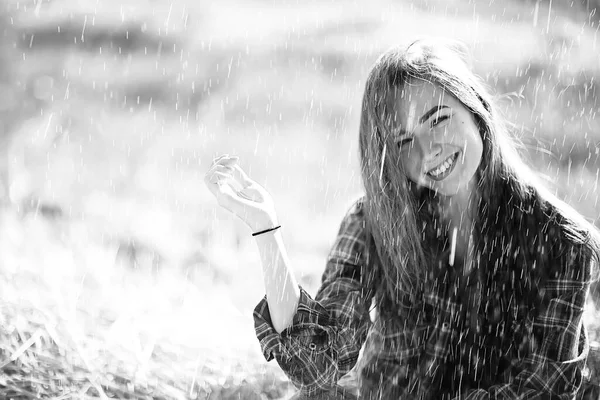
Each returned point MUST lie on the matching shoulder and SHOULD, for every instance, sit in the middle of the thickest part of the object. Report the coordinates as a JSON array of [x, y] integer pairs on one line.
[[355, 216], [571, 242], [358, 206]]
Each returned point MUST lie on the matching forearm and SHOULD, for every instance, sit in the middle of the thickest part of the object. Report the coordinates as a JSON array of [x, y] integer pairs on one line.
[[280, 284]]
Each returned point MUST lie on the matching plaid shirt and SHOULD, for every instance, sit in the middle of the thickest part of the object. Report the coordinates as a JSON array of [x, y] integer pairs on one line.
[[452, 353]]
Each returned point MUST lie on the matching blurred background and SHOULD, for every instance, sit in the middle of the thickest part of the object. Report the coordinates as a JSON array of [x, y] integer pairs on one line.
[[119, 274]]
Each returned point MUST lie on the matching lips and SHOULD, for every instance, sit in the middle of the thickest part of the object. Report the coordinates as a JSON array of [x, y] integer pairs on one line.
[[439, 173]]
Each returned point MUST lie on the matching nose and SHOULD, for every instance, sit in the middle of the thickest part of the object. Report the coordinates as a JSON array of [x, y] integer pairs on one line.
[[428, 147]]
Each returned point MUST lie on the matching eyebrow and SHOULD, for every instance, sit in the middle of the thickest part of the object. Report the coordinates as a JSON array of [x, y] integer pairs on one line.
[[423, 118]]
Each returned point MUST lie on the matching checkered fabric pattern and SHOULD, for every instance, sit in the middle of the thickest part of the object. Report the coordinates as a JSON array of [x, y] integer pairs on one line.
[[459, 349]]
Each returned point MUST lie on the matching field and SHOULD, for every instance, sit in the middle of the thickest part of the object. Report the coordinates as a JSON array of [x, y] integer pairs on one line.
[[119, 274]]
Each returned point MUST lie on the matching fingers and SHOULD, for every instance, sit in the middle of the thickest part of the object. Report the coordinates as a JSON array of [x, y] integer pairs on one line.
[[242, 175], [227, 181], [224, 194], [228, 164], [222, 161], [218, 176], [220, 171], [220, 157], [210, 176], [225, 159], [228, 196], [229, 161]]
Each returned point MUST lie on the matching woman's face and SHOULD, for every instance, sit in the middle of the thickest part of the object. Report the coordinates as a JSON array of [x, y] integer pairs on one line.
[[440, 145]]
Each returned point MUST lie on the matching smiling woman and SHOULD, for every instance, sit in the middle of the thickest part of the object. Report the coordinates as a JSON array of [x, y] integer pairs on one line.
[[431, 144], [478, 275]]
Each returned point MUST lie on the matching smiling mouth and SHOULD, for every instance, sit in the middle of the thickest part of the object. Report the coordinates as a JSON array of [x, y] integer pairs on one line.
[[444, 169]]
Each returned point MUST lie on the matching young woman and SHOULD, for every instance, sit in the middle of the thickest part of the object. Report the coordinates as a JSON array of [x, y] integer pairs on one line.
[[478, 275]]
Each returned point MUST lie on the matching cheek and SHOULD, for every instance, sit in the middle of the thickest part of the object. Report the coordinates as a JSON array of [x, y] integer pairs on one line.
[[473, 152], [476, 145], [410, 163], [467, 135]]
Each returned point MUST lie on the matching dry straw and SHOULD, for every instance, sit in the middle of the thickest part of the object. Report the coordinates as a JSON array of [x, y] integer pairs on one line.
[[40, 358]]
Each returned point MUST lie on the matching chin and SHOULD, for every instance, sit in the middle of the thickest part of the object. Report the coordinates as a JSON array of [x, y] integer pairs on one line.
[[449, 188], [452, 186], [447, 192]]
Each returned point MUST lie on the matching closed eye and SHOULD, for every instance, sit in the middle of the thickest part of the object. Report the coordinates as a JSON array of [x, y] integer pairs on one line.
[[440, 119], [404, 142]]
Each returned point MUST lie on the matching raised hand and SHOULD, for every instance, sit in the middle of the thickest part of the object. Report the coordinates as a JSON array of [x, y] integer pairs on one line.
[[239, 194]]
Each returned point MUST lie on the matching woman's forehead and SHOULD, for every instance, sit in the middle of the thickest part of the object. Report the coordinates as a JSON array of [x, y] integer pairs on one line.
[[408, 102]]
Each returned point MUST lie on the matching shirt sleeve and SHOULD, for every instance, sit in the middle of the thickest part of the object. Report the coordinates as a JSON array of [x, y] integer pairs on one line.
[[554, 370], [323, 341]]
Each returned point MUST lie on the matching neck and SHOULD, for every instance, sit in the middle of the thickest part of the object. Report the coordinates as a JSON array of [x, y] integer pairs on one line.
[[458, 211]]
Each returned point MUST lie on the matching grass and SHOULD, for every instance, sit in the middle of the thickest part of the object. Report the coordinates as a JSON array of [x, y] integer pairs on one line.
[[44, 364], [110, 331], [119, 275]]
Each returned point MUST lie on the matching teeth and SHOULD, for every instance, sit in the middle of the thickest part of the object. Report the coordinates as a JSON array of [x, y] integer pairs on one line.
[[441, 169]]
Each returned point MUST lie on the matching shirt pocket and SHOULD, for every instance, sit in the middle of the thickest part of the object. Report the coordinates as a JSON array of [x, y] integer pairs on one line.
[[310, 337]]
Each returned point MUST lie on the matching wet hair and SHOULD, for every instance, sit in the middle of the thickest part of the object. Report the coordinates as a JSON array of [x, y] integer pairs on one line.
[[402, 225]]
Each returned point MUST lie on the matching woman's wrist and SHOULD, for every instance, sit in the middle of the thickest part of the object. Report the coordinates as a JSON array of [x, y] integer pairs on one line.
[[266, 230], [265, 223]]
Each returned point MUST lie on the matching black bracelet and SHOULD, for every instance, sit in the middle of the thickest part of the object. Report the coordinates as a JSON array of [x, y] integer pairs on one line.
[[266, 230]]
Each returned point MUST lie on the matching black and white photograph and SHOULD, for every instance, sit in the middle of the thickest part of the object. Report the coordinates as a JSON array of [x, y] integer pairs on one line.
[[300, 200]]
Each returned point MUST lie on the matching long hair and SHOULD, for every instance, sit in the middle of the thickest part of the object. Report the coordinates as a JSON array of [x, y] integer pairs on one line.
[[401, 221]]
